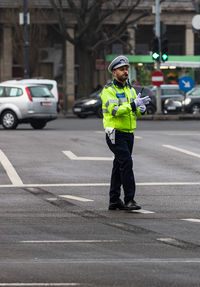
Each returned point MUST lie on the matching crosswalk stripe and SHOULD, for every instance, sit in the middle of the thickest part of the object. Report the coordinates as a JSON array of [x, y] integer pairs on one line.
[[10, 170], [76, 198], [69, 241], [182, 150], [72, 156], [32, 284], [143, 211], [196, 220]]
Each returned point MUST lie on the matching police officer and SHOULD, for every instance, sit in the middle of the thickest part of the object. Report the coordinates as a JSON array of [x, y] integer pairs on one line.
[[120, 106]]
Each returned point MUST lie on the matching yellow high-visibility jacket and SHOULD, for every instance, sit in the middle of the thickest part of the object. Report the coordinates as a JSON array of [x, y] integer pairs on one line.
[[117, 111]]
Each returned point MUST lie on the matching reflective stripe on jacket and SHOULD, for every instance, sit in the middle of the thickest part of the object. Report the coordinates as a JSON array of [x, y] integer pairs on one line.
[[117, 111]]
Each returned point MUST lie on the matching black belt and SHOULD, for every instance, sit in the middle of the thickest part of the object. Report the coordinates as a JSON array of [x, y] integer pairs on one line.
[[120, 132]]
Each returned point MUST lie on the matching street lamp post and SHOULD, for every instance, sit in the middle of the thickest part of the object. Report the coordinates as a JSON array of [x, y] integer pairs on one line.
[[158, 92], [26, 45]]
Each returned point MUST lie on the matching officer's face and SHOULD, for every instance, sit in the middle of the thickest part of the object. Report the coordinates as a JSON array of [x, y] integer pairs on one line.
[[121, 74]]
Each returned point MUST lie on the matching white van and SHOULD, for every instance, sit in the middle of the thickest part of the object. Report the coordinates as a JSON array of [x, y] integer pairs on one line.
[[51, 85]]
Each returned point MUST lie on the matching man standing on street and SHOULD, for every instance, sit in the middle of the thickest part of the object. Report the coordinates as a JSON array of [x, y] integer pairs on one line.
[[120, 106]]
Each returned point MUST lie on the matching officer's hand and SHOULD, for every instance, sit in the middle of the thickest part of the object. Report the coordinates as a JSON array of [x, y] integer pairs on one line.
[[141, 101], [143, 109]]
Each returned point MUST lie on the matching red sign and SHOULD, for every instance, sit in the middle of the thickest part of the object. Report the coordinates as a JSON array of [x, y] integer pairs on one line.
[[157, 78], [100, 64]]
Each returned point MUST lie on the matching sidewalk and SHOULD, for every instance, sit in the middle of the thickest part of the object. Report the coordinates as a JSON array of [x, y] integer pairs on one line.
[[160, 117]]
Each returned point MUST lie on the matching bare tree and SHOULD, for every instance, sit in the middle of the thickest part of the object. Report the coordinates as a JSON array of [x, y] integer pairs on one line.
[[36, 39], [92, 31]]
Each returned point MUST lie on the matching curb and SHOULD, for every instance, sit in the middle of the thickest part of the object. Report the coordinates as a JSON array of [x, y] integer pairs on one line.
[[155, 117], [177, 117]]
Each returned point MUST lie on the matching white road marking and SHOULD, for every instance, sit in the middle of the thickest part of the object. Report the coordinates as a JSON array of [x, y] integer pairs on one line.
[[143, 211], [51, 198], [118, 261], [182, 150], [10, 170], [170, 241], [192, 220], [72, 156], [68, 241], [182, 134], [76, 198], [167, 183], [96, 184], [39, 284]]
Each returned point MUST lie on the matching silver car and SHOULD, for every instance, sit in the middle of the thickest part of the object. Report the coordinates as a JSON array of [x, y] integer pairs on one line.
[[23, 103]]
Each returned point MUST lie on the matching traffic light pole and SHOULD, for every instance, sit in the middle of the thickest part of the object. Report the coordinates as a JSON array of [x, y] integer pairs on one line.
[[26, 45], [158, 91]]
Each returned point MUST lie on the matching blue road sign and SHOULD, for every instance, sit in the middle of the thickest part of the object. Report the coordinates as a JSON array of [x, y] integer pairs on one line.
[[186, 84]]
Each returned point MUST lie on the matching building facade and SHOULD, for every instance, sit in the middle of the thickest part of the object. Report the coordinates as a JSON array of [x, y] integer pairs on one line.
[[51, 56]]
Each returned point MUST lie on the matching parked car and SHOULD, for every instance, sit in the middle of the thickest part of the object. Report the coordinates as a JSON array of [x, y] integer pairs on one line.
[[93, 105], [26, 103], [172, 106], [89, 106], [172, 92], [191, 103], [50, 84]]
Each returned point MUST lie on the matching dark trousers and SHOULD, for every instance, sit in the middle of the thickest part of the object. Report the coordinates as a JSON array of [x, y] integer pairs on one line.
[[122, 172]]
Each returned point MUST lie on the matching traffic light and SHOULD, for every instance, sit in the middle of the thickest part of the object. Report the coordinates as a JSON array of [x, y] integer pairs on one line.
[[155, 49], [164, 50]]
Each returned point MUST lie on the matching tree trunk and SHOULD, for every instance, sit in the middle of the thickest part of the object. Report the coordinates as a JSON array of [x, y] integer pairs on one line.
[[85, 68]]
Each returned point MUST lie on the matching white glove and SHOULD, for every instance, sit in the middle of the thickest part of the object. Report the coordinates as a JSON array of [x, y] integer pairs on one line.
[[141, 101], [143, 109]]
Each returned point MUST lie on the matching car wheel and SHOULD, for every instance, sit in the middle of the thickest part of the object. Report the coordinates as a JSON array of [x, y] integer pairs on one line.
[[9, 120], [150, 110], [38, 125], [195, 109], [99, 113], [82, 116]]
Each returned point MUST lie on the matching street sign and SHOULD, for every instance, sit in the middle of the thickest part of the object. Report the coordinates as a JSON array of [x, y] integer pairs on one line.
[[186, 84], [157, 78]]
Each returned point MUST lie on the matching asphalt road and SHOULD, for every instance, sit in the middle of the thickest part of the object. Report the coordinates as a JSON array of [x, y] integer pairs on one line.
[[55, 228]]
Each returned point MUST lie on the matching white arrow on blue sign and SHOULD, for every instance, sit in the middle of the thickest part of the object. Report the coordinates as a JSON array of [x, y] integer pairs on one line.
[[186, 84]]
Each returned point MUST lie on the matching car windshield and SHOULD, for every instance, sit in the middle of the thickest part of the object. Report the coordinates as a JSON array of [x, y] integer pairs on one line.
[[40, 92], [168, 92], [49, 86], [194, 92], [95, 95]]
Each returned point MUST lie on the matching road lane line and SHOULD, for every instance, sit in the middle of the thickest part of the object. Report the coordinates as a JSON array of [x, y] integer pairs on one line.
[[143, 211], [115, 261], [182, 150], [10, 170], [68, 241], [72, 156], [170, 241], [40, 284], [167, 183], [76, 198], [192, 220], [96, 184]]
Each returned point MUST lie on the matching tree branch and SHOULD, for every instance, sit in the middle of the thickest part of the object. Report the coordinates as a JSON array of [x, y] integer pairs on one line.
[[61, 20]]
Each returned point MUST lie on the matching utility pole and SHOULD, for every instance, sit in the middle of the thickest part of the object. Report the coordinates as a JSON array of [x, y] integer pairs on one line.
[[158, 91], [26, 45]]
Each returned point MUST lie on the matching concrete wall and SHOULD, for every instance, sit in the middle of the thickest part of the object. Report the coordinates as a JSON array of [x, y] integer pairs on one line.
[[6, 54]]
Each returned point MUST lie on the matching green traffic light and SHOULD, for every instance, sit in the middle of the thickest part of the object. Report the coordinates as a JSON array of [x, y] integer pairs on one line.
[[164, 57], [155, 56]]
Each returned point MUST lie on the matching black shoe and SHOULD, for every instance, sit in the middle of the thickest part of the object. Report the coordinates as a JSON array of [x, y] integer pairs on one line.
[[116, 205], [132, 205]]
